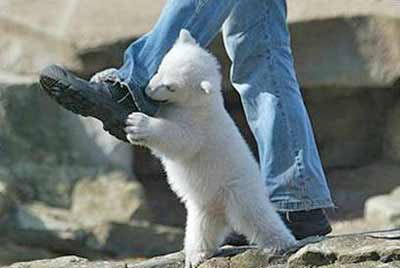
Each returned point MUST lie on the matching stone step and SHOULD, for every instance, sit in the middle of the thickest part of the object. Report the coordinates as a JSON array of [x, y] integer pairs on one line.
[[344, 251], [347, 52], [384, 210], [38, 225]]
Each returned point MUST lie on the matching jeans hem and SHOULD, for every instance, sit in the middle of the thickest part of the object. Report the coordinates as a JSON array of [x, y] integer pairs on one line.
[[303, 205], [143, 103]]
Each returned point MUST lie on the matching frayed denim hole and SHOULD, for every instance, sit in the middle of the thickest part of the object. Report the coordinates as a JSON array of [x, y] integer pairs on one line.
[[299, 164]]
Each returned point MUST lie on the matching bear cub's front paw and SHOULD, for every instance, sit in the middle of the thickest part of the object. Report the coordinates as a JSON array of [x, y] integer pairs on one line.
[[107, 74], [138, 127]]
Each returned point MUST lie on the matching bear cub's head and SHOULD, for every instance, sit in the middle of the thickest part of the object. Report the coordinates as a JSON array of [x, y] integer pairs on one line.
[[188, 75]]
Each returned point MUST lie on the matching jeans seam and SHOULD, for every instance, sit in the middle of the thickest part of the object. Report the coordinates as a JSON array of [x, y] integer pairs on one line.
[[294, 142], [277, 88], [282, 108]]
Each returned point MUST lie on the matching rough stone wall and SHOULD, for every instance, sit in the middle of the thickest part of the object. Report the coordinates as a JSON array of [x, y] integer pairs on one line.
[[347, 56]]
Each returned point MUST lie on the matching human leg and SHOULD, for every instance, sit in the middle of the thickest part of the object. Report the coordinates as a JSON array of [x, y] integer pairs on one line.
[[112, 101], [203, 19], [257, 41]]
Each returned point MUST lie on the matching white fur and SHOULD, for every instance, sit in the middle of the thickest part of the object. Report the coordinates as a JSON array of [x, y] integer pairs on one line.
[[208, 163]]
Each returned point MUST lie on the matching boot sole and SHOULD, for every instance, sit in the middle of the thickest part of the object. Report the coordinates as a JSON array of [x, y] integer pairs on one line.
[[67, 96], [78, 102]]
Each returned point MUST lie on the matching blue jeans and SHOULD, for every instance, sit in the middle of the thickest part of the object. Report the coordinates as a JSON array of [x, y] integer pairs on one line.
[[257, 41]]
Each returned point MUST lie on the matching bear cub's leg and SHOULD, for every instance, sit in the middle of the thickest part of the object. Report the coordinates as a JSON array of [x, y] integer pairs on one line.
[[205, 231], [255, 217]]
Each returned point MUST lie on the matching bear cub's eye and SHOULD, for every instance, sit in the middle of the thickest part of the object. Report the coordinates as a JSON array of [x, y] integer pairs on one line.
[[169, 88]]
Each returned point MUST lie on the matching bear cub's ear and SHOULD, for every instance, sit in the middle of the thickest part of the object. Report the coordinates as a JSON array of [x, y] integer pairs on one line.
[[206, 87], [186, 37]]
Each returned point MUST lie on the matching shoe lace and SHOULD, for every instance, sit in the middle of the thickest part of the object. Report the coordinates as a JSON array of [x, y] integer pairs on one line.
[[287, 216], [121, 86]]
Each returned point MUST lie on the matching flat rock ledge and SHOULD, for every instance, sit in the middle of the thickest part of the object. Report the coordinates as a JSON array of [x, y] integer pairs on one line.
[[374, 249]]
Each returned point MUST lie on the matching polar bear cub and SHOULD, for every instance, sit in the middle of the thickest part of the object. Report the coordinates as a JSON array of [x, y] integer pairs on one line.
[[208, 163]]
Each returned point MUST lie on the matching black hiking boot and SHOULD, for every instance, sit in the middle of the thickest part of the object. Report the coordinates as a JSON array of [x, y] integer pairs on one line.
[[110, 101], [235, 239], [302, 224], [306, 223]]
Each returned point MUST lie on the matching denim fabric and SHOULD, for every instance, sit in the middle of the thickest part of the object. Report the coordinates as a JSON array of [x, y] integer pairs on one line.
[[257, 41]]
